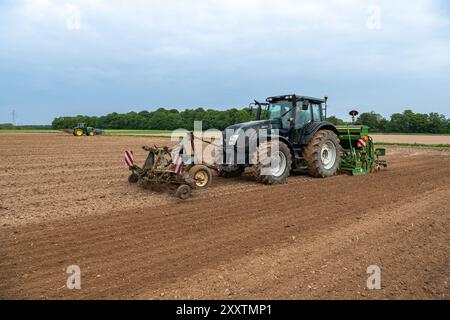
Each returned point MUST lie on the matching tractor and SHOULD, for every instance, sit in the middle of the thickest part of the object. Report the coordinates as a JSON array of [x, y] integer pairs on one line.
[[83, 130], [307, 143]]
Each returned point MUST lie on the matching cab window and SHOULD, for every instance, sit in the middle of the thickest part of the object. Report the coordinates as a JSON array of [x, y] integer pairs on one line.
[[302, 117], [317, 112], [280, 110]]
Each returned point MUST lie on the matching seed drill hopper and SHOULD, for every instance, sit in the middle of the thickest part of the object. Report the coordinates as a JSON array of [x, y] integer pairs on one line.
[[359, 155]]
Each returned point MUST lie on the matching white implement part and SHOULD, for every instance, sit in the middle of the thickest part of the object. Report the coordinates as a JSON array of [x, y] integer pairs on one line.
[[178, 163], [129, 158], [361, 143]]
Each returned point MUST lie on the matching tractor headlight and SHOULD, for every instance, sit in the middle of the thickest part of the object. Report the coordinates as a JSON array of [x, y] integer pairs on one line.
[[233, 139]]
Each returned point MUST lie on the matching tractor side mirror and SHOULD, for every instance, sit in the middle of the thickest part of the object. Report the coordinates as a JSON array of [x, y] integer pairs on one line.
[[305, 105]]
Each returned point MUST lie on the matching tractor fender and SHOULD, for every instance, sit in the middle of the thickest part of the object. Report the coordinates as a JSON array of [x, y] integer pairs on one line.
[[272, 136], [283, 140], [311, 128]]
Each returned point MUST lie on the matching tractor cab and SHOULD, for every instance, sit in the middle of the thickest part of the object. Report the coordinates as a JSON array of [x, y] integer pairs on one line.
[[296, 117], [292, 111]]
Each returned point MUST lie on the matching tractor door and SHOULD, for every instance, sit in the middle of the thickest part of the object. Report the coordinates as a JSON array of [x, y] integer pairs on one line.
[[303, 116]]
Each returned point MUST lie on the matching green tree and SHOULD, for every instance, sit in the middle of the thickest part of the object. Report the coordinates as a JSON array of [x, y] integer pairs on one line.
[[437, 123], [162, 119], [6, 126], [373, 120], [335, 120]]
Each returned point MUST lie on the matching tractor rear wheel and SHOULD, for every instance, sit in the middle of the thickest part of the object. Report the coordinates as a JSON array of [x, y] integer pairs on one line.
[[201, 176], [272, 167], [322, 154], [78, 132]]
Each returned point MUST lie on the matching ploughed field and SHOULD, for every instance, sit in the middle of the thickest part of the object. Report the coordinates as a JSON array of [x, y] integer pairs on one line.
[[412, 138], [66, 201]]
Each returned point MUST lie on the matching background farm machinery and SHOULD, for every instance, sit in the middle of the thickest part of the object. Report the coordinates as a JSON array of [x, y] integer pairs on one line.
[[83, 130]]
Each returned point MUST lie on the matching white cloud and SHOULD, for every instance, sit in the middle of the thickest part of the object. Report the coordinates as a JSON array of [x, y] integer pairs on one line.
[[56, 13], [72, 15], [158, 49], [374, 19], [332, 35]]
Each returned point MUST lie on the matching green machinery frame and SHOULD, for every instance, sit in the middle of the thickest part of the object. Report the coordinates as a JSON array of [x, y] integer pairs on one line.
[[363, 158]]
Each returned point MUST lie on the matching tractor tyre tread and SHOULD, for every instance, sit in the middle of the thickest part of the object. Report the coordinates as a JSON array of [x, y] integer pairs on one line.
[[312, 154]]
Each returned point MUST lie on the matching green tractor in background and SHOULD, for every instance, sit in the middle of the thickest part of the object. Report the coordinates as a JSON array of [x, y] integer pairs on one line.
[[83, 130]]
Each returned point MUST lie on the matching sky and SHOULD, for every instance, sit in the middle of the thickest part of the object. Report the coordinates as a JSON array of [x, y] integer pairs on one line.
[[93, 57]]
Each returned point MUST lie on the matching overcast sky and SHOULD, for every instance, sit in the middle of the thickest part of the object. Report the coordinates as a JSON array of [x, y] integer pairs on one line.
[[98, 56]]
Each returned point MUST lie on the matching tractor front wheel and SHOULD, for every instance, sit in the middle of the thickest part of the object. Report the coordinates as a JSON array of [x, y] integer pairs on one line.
[[272, 166], [91, 133], [322, 154]]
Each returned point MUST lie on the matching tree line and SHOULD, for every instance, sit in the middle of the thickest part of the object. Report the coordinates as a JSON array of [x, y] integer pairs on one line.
[[406, 122], [10, 126], [163, 119]]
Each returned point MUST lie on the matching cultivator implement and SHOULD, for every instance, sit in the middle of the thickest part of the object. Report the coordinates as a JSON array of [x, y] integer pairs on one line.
[[359, 155], [167, 166]]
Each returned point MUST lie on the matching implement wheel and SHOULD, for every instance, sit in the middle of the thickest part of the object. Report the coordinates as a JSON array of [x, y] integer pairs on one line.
[[201, 175], [133, 178], [183, 192]]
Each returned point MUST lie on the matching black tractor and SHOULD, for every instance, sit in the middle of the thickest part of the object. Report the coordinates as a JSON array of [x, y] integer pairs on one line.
[[306, 142]]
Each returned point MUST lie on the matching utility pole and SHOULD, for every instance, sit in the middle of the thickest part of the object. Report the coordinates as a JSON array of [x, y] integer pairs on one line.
[[14, 117]]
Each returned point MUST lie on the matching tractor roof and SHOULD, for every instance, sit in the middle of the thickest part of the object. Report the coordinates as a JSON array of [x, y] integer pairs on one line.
[[299, 98]]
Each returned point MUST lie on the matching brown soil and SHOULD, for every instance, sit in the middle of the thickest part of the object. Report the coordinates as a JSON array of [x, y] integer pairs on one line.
[[66, 201], [412, 138]]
